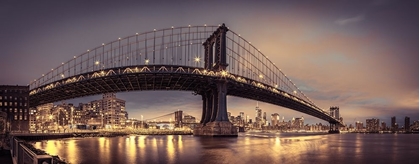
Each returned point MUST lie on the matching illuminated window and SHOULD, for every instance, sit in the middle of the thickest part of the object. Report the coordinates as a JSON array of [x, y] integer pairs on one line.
[[26, 118], [15, 110], [1, 103], [1, 97], [20, 110], [15, 103], [20, 117], [16, 117]]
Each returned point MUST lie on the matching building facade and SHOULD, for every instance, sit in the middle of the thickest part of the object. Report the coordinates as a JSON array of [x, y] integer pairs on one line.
[[14, 102], [394, 126], [407, 124], [372, 125], [275, 119]]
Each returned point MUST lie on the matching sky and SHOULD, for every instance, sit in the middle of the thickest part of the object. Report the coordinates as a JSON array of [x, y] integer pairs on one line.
[[362, 56]]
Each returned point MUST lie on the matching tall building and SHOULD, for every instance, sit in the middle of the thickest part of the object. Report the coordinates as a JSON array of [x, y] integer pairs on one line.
[[14, 102], [297, 123], [394, 126], [258, 116], [383, 126], [178, 119], [335, 112], [264, 120], [275, 119], [372, 125], [112, 109], [407, 124], [358, 126]]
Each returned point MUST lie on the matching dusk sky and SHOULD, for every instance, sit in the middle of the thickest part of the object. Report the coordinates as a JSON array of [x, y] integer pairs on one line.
[[362, 56]]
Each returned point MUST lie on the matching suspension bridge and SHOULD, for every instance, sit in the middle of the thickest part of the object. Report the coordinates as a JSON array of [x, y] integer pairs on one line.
[[211, 61]]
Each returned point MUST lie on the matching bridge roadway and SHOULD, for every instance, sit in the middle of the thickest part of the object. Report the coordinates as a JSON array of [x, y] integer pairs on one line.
[[181, 78], [170, 59]]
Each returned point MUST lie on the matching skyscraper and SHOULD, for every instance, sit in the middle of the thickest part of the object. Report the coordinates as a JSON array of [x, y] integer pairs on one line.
[[178, 119], [394, 126], [258, 116], [407, 124]]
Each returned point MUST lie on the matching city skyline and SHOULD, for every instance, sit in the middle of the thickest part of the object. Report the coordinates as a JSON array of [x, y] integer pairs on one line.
[[333, 55]]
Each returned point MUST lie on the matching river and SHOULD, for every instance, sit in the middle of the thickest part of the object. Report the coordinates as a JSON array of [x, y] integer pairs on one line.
[[250, 147]]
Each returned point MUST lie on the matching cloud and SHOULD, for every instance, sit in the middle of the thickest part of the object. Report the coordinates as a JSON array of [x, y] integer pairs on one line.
[[346, 21]]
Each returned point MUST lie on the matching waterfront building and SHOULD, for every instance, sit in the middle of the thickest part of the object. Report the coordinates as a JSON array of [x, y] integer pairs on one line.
[[189, 119], [383, 126], [275, 119], [415, 126], [178, 119], [297, 123], [358, 126], [14, 101], [113, 110], [372, 125], [394, 125], [407, 124]]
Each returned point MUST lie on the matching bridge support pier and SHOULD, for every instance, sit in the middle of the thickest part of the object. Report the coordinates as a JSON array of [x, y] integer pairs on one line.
[[334, 128], [214, 120]]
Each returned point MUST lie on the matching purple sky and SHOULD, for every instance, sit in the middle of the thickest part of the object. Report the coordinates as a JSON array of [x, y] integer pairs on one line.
[[362, 56]]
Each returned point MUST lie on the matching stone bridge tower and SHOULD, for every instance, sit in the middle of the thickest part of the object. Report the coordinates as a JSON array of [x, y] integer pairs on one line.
[[214, 119]]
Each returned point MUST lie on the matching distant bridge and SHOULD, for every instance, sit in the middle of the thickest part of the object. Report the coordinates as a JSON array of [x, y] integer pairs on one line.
[[174, 59]]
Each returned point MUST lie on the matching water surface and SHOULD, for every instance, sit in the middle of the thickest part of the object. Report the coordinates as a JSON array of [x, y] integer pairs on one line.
[[251, 147]]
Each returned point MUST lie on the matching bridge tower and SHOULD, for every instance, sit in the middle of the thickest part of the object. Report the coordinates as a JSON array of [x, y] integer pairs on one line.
[[214, 119]]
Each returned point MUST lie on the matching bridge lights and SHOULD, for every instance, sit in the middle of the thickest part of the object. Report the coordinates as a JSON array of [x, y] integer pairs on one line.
[[96, 62], [146, 61], [62, 75], [224, 73], [294, 92], [197, 59], [261, 76], [276, 85]]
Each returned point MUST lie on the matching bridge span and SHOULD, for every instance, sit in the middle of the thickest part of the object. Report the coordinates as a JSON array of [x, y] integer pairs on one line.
[[211, 61]]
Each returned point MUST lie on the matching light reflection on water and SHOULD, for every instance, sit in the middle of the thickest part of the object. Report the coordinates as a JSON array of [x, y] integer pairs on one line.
[[246, 148]]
